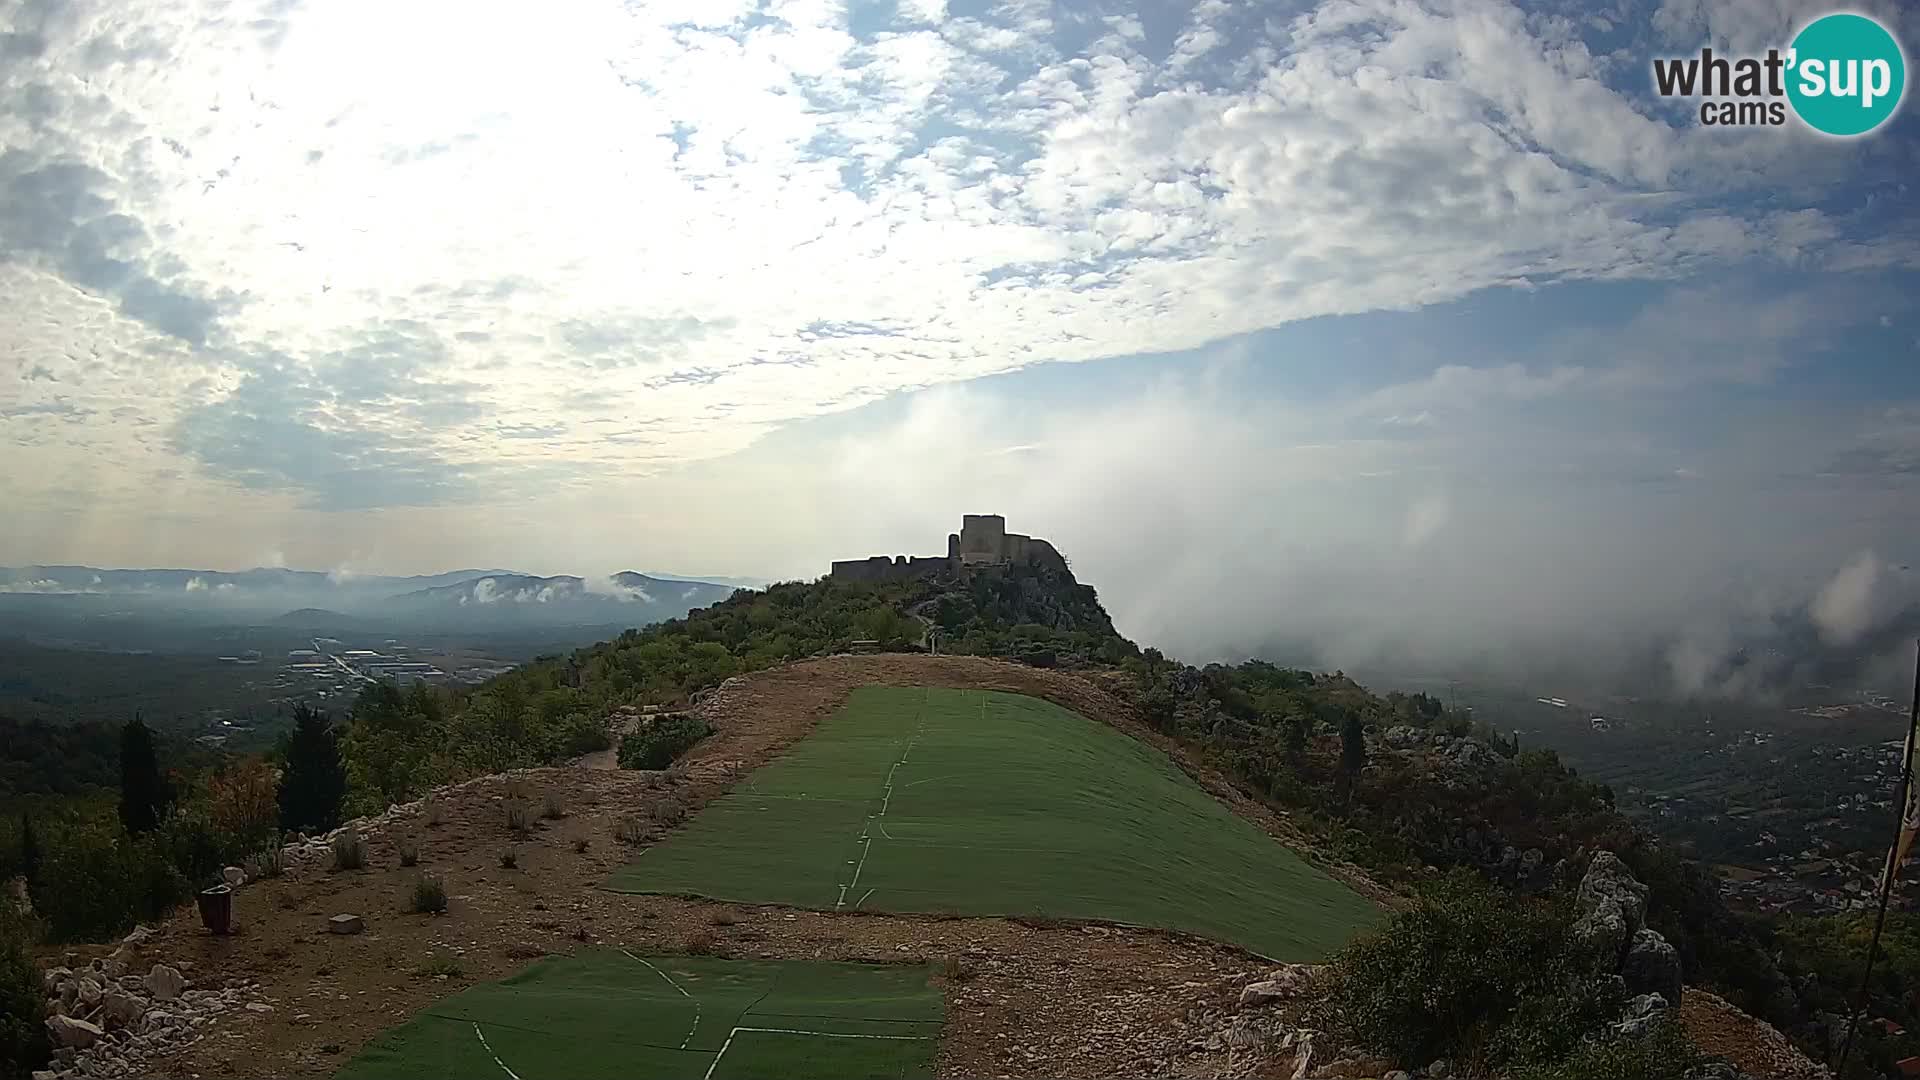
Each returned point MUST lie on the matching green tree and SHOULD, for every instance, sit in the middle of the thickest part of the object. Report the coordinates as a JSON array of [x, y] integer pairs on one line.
[[143, 791], [315, 780]]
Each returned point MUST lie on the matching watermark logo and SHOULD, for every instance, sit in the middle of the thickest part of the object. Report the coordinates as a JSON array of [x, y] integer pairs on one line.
[[1843, 75]]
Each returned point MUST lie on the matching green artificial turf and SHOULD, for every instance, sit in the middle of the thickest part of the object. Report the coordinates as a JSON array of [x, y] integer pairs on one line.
[[975, 803], [612, 1014]]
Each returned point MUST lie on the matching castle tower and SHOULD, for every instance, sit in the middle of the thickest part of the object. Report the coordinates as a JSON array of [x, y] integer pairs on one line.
[[983, 538]]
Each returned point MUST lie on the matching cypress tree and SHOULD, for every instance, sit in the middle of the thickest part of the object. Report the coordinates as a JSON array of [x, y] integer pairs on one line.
[[143, 791], [315, 781]]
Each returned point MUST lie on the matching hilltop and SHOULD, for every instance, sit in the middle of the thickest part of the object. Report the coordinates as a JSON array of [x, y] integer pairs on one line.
[[1388, 794]]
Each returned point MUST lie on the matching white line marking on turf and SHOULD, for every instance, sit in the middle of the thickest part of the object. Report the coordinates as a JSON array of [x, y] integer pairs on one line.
[[683, 993], [792, 1031], [494, 1056], [862, 900], [866, 834]]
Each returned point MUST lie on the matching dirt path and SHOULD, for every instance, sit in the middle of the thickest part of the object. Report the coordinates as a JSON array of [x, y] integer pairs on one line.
[[1025, 998]]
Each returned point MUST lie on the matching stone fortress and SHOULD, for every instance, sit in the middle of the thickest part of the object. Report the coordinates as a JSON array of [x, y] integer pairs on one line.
[[983, 541]]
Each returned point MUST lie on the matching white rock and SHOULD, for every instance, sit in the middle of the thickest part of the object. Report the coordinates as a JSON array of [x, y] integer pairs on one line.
[[123, 1010], [165, 983], [346, 924], [65, 1031], [233, 876], [88, 992]]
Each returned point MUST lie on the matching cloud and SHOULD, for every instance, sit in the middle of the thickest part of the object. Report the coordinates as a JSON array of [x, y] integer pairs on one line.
[[647, 235], [1844, 607]]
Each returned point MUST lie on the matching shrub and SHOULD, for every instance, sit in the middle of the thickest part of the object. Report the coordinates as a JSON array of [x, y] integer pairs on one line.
[[663, 742], [244, 801], [631, 830], [1467, 974], [409, 847], [272, 859], [94, 885], [957, 969], [724, 917], [23, 1005], [670, 811], [440, 964], [519, 816], [429, 895], [509, 858], [581, 844], [1664, 1054], [551, 806], [432, 811], [702, 943], [349, 851], [194, 844]]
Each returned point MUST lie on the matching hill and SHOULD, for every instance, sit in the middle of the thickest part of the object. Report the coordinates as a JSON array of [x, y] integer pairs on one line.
[[635, 599]]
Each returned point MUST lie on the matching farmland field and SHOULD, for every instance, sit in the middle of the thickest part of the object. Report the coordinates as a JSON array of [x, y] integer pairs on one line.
[[613, 1014], [982, 803]]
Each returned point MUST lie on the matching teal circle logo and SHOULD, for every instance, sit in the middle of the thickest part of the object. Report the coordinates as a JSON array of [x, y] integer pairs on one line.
[[1846, 74]]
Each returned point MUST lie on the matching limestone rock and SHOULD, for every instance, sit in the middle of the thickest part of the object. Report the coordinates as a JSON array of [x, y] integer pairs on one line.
[[1652, 966], [346, 924], [1262, 993], [165, 983], [67, 1032], [1608, 878], [233, 876], [123, 1010], [88, 992], [1642, 1013], [1604, 930]]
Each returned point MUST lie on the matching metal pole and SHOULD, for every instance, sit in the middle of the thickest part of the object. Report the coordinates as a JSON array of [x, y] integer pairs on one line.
[[1886, 883]]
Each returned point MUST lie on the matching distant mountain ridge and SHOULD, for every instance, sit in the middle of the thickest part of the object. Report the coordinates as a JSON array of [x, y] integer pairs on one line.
[[319, 598]]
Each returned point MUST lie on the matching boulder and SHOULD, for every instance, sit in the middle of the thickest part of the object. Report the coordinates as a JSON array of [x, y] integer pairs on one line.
[[137, 936], [123, 1010], [1643, 1011], [1604, 930], [233, 876], [1652, 966], [88, 992], [1263, 993], [1404, 736], [1608, 879], [66, 1032], [55, 978], [345, 924], [165, 983]]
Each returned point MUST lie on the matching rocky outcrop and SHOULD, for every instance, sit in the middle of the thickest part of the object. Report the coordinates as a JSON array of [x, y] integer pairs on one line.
[[1651, 966], [1613, 924], [1613, 908]]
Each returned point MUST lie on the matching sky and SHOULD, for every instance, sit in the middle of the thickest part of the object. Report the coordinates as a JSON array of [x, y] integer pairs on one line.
[[1380, 322]]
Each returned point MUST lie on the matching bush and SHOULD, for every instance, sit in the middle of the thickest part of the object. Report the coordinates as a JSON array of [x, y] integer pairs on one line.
[[670, 811], [1665, 1054], [349, 851], [519, 816], [409, 847], [440, 964], [509, 858], [663, 742], [195, 844], [95, 885], [431, 809], [272, 859], [581, 844], [23, 1005], [429, 896], [244, 802], [631, 830], [551, 806], [1470, 975], [702, 943]]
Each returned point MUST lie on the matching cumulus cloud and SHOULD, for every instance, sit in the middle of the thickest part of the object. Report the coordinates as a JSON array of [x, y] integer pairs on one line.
[[619, 238]]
